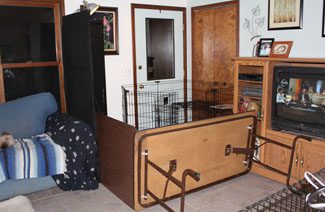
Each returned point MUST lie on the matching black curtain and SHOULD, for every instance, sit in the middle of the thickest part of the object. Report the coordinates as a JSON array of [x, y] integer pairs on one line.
[[83, 59]]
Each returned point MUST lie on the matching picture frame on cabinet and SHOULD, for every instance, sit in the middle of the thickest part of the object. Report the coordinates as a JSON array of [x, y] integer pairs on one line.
[[264, 47], [281, 49], [285, 14]]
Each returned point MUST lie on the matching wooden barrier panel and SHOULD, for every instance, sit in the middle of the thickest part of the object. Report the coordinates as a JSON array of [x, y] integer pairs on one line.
[[199, 146], [115, 146]]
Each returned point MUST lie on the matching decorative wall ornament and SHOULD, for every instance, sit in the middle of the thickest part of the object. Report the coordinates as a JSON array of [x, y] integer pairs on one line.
[[255, 23]]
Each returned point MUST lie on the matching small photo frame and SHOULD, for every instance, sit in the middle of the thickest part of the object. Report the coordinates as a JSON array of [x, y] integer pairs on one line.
[[265, 46], [285, 14], [281, 49]]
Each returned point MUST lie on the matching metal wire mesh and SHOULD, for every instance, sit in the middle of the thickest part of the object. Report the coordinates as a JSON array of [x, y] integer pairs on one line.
[[164, 103], [290, 199]]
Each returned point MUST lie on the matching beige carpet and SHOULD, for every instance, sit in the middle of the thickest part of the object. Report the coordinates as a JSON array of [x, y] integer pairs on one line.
[[19, 203]]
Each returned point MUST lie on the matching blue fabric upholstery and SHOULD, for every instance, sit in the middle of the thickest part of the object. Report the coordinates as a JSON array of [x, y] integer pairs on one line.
[[27, 116], [24, 118], [11, 188]]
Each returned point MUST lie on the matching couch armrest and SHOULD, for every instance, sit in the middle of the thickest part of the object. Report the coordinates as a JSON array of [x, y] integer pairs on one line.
[[78, 140]]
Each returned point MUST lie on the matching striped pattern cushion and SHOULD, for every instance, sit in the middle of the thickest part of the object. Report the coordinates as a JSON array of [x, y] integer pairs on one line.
[[32, 158]]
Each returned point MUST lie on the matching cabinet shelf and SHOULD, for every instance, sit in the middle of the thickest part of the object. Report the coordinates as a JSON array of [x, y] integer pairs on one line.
[[251, 82], [251, 97]]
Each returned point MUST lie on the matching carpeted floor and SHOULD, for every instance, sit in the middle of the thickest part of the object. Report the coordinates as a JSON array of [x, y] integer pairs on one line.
[[229, 196]]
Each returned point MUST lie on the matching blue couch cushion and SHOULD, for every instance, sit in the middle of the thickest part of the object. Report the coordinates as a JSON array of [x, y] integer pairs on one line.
[[11, 188], [27, 116]]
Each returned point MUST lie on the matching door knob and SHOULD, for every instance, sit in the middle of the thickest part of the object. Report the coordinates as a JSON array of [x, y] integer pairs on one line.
[[140, 67]]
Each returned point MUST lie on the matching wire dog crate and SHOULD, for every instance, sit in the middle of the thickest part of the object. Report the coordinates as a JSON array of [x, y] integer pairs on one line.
[[165, 103]]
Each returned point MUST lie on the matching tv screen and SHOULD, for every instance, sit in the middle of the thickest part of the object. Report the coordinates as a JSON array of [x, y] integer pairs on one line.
[[299, 99]]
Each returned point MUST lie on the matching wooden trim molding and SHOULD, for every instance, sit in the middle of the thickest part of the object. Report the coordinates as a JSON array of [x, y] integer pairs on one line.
[[155, 7], [29, 65], [211, 6], [2, 89], [58, 43], [288, 60]]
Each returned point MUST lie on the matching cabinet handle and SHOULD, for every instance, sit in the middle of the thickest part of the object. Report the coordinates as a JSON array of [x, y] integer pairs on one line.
[[262, 115], [297, 160]]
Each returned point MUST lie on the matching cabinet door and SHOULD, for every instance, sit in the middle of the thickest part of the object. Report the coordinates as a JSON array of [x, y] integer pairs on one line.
[[312, 157], [279, 157]]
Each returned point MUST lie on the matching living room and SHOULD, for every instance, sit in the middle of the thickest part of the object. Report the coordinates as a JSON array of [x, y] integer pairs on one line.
[[190, 105]]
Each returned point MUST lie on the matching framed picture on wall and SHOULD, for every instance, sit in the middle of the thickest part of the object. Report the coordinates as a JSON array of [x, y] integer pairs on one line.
[[109, 17], [323, 29], [264, 47], [285, 14]]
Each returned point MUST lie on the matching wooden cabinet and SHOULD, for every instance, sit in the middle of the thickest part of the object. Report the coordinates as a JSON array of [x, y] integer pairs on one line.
[[312, 157], [250, 88], [309, 156], [279, 158]]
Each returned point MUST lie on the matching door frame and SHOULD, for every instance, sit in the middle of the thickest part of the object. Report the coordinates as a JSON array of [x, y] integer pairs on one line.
[[212, 6], [156, 7]]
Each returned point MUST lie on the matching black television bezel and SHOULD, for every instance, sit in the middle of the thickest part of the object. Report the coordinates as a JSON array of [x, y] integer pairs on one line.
[[280, 124]]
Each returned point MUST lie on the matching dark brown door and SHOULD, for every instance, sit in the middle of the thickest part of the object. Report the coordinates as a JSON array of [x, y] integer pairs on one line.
[[215, 41]]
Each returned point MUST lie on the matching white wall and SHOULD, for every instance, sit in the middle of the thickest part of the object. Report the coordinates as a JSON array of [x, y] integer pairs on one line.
[[119, 68], [307, 42]]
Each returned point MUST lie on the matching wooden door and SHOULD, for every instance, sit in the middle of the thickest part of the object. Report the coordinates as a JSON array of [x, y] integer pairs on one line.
[[312, 157], [215, 41]]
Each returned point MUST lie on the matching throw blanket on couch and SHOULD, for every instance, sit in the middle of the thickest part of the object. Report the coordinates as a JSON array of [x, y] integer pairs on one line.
[[32, 158], [79, 143]]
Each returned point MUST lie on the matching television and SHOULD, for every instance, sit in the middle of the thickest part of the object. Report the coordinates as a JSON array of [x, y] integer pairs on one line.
[[298, 100]]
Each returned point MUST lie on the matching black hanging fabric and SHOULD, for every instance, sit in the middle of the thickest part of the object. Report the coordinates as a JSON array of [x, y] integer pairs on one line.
[[83, 59]]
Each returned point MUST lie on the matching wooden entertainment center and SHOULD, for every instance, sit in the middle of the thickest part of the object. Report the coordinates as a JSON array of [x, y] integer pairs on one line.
[[308, 156]]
